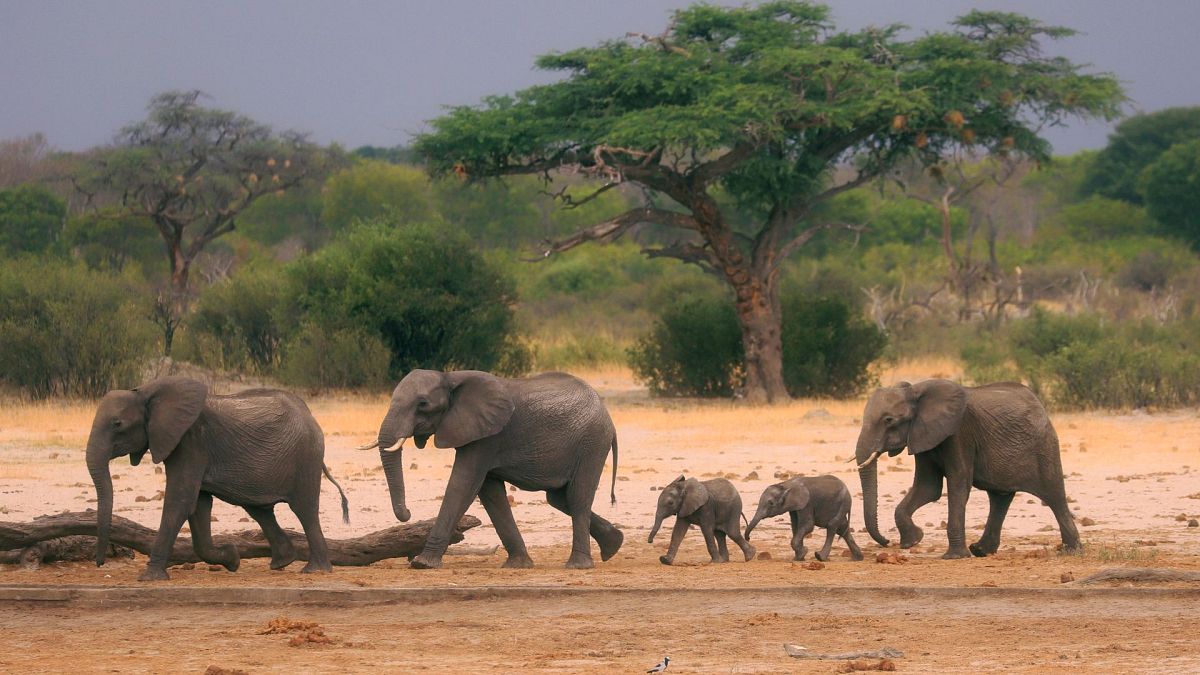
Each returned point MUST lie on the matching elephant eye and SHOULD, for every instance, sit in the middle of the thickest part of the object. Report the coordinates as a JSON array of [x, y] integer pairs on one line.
[[116, 422], [888, 420], [423, 403]]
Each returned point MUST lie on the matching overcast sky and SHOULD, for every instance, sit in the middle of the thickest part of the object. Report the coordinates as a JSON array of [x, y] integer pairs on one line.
[[362, 73]]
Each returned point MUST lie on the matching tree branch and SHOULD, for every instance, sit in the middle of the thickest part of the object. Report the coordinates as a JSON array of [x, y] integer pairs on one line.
[[806, 236], [610, 230]]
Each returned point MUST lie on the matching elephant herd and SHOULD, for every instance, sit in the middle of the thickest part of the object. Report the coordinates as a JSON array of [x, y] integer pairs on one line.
[[552, 433]]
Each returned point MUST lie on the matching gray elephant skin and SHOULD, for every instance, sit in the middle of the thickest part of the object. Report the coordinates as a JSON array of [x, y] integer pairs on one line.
[[996, 437], [549, 432], [714, 505], [810, 501], [253, 449]]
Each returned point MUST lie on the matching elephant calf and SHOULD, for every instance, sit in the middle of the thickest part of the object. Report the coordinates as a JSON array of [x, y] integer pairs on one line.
[[714, 505], [810, 501]]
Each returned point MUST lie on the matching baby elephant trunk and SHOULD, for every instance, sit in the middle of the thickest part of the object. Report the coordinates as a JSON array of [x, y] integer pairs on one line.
[[658, 519], [758, 516]]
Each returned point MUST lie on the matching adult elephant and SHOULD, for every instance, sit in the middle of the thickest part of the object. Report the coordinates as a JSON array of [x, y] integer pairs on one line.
[[997, 437], [253, 449], [549, 432]]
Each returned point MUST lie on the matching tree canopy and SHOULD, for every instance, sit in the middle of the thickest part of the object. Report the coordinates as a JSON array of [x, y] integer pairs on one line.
[[1171, 187], [1136, 144], [752, 109]]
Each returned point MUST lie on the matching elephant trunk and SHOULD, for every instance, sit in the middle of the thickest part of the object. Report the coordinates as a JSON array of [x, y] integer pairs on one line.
[[393, 469], [869, 478], [98, 455], [758, 516], [658, 519]]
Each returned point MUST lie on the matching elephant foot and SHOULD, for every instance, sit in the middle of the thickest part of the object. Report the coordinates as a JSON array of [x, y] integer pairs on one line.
[[666, 560], [610, 544], [425, 562], [982, 549], [956, 553], [153, 574], [281, 561], [521, 562], [1073, 547], [799, 555], [856, 556], [911, 538], [580, 561], [823, 557], [315, 568], [750, 553], [233, 560]]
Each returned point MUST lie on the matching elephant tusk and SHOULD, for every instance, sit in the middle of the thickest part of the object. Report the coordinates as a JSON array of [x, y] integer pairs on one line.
[[398, 445], [870, 459], [368, 446]]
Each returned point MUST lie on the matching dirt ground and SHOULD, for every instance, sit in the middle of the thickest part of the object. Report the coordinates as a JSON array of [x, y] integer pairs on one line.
[[1132, 478]]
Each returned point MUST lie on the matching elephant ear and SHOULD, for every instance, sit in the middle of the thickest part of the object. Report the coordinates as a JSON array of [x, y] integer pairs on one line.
[[694, 496], [940, 405], [479, 407], [796, 497], [173, 404]]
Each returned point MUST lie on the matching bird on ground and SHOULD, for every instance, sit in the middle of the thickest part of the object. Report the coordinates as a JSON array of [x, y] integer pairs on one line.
[[661, 667]]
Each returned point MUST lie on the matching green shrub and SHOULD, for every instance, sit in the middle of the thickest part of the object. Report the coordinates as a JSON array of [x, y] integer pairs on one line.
[[66, 331], [695, 349], [318, 358], [431, 298], [827, 351], [240, 324]]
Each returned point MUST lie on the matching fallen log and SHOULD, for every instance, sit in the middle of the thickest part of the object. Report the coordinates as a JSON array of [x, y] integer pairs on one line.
[[1139, 574], [67, 549], [398, 541]]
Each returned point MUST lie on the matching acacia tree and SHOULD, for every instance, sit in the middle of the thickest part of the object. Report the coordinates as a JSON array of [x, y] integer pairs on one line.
[[750, 111], [191, 171]]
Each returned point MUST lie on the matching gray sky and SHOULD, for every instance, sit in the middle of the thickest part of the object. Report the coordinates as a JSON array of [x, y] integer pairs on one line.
[[359, 72]]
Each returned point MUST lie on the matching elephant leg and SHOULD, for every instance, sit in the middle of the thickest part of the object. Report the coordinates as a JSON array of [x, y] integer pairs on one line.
[[495, 502], [747, 550], [283, 553], [823, 554], [710, 542], [309, 514], [989, 542], [722, 546], [1056, 497], [607, 536], [855, 552], [179, 501], [680, 529], [797, 538], [926, 488], [202, 543], [958, 491], [466, 480]]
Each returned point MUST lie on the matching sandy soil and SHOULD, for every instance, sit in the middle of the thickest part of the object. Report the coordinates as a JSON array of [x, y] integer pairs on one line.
[[1131, 475]]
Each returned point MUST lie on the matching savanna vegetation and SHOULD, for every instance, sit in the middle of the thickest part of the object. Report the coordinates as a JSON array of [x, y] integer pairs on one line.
[[773, 208]]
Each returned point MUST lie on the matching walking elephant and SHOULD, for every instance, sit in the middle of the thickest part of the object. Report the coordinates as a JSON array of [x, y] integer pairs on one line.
[[997, 437], [549, 432], [253, 449]]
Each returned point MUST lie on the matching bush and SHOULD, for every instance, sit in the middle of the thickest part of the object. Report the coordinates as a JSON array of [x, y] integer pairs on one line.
[[1080, 362], [695, 349], [318, 358], [426, 293], [66, 331], [240, 324]]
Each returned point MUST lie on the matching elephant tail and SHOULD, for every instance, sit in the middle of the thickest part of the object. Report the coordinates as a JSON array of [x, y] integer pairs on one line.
[[613, 490], [744, 519], [345, 502]]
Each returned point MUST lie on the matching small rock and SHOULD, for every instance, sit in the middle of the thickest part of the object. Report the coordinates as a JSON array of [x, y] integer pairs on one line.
[[764, 555], [1066, 578], [654, 488], [1086, 522], [1181, 517], [753, 475], [212, 518], [188, 566], [1194, 523], [890, 558], [413, 466], [814, 565], [158, 469], [243, 519], [512, 501]]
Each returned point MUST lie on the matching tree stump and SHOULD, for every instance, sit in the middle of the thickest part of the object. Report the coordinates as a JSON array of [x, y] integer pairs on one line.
[[33, 539]]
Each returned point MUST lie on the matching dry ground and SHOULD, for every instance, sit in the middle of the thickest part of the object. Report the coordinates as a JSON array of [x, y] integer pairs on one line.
[[1131, 475]]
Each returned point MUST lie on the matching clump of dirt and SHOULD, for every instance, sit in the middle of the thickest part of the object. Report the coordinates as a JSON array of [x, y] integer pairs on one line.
[[763, 619], [863, 665], [890, 558], [764, 555], [313, 637], [1066, 578], [282, 624], [814, 565], [218, 670]]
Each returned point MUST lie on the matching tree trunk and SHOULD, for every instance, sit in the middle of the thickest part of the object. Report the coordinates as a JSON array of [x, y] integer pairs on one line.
[[400, 541], [761, 322]]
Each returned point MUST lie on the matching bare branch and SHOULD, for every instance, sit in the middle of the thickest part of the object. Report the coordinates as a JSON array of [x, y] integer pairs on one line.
[[612, 229], [696, 254], [806, 236]]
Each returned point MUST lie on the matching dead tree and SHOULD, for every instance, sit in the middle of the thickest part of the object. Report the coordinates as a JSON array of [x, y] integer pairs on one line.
[[399, 541]]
